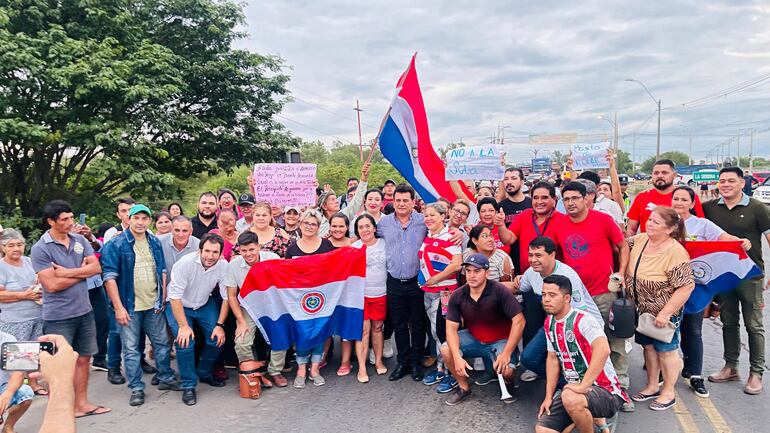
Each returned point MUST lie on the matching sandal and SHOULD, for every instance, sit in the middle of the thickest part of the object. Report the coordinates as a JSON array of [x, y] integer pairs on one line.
[[382, 370], [344, 370], [40, 391], [95, 411], [364, 379], [266, 384], [639, 396], [656, 405]]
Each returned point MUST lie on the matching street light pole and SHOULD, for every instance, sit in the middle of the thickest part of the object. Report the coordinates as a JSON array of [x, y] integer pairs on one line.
[[614, 127], [657, 102]]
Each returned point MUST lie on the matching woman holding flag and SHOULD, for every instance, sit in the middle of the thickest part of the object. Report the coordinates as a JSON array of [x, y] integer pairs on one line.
[[440, 260], [698, 229]]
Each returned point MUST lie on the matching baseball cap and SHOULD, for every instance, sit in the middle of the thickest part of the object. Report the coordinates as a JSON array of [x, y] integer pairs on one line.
[[246, 198], [389, 181], [135, 209], [477, 260], [294, 208]]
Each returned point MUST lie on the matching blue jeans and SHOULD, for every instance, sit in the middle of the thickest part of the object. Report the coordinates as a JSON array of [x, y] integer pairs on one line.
[[473, 348], [206, 317], [314, 355], [154, 326], [535, 353], [114, 347], [692, 343]]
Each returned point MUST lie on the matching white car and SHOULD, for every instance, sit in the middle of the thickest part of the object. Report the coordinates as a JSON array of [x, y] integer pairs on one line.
[[762, 192]]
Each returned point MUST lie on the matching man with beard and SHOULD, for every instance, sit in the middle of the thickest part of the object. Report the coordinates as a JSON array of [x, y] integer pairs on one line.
[[514, 203], [663, 175], [206, 219]]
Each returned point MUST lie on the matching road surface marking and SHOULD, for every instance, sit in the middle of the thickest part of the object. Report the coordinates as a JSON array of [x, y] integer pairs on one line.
[[683, 416]]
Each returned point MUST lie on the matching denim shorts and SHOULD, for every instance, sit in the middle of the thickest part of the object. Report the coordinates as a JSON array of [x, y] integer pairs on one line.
[[473, 348], [23, 394], [80, 332], [661, 346]]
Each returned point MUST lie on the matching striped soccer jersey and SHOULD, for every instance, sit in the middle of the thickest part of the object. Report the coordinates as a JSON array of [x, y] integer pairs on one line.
[[571, 338]]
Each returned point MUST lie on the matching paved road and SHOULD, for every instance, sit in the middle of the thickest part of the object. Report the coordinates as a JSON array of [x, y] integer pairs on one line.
[[382, 406]]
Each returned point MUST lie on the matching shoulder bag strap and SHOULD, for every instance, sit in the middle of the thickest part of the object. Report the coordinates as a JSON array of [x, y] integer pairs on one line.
[[636, 268]]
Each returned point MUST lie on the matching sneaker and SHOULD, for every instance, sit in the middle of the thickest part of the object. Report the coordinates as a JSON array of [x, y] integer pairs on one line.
[[100, 365], [433, 377], [318, 380], [628, 407], [458, 396], [299, 381], [486, 379], [387, 350], [115, 377], [529, 376], [147, 368], [512, 394], [686, 374], [448, 383], [699, 386]]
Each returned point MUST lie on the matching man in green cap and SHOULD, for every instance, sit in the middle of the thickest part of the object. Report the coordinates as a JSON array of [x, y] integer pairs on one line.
[[135, 278]]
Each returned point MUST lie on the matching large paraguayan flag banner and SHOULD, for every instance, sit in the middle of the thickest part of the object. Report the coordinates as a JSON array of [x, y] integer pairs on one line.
[[306, 300], [718, 267], [404, 136]]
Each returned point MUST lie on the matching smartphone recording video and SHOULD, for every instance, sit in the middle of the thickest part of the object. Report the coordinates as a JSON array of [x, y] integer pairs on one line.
[[23, 355]]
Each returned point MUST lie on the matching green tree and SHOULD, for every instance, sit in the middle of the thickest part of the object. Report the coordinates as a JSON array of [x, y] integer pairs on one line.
[[623, 161], [120, 96], [679, 158]]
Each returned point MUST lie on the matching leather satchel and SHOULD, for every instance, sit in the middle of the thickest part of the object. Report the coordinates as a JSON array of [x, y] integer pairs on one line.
[[249, 379]]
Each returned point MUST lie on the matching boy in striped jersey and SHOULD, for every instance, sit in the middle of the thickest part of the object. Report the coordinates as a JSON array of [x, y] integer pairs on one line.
[[578, 348]]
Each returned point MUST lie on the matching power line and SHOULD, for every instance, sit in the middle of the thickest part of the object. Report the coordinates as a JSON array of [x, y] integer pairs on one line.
[[740, 87], [313, 129]]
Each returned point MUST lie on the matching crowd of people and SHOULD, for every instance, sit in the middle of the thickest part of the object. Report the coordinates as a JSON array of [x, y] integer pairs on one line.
[[517, 281]]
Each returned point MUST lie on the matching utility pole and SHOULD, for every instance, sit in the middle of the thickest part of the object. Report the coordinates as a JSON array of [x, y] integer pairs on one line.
[[751, 151], [657, 149], [616, 134], [738, 142], [633, 152], [690, 147], [360, 142]]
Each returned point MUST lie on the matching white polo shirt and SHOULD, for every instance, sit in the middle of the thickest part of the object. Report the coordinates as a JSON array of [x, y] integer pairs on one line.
[[193, 284]]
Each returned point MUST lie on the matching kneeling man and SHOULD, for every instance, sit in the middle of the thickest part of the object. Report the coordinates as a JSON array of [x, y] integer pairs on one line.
[[578, 348], [493, 322]]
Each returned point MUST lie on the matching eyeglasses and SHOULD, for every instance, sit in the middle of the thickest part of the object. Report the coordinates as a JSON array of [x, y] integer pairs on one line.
[[459, 212], [309, 225]]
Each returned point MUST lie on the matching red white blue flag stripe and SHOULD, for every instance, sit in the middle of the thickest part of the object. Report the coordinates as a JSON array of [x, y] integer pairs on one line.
[[306, 300], [404, 136], [718, 266]]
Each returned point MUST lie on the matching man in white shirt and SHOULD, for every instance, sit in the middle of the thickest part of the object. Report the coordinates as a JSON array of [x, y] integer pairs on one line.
[[542, 261], [179, 243], [245, 331], [246, 202], [121, 211], [193, 279]]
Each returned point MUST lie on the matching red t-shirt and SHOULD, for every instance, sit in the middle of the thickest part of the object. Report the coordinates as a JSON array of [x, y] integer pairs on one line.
[[588, 248], [523, 226], [646, 201], [498, 243]]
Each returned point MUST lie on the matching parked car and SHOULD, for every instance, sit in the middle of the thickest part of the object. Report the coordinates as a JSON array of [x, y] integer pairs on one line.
[[642, 176], [684, 179], [760, 176], [762, 192]]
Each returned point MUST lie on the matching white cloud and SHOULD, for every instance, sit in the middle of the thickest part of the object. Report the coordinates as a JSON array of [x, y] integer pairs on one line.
[[533, 66]]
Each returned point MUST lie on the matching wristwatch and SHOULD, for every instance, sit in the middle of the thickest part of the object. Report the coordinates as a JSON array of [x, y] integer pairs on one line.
[[221, 325]]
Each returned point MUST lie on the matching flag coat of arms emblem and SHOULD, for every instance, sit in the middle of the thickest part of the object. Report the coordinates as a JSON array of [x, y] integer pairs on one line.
[[306, 300]]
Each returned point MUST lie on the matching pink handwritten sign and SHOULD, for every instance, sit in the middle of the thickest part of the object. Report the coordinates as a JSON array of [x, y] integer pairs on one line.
[[285, 184]]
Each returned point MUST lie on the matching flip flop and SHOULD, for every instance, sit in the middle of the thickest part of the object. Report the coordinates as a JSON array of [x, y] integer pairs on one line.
[[344, 370], [95, 411], [644, 397], [656, 405], [381, 371], [40, 391]]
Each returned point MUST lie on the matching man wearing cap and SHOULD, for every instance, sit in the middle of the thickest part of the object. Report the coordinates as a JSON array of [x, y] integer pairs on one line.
[[246, 203], [134, 271], [493, 325]]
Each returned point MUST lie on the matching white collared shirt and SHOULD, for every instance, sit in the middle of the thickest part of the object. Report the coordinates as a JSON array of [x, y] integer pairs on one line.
[[193, 284]]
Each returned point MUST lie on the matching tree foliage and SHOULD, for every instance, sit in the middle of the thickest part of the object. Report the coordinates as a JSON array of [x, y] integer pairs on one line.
[[126, 96], [679, 158]]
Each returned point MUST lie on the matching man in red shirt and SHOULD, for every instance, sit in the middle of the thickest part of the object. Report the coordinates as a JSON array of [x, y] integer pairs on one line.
[[588, 239], [540, 220], [663, 175]]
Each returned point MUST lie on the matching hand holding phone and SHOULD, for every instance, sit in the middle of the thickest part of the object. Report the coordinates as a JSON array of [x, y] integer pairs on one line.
[[23, 355]]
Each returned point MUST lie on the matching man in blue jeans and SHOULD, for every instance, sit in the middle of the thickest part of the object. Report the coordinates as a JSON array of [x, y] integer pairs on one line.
[[193, 278], [493, 322], [135, 279], [543, 263]]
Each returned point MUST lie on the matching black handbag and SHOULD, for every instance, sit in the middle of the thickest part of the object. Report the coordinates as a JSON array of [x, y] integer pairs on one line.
[[623, 314]]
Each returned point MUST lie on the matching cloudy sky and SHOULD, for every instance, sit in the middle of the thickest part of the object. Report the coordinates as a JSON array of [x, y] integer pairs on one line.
[[532, 67]]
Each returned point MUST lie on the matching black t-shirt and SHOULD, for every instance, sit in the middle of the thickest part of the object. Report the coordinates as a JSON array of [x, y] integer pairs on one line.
[[512, 209], [199, 229], [294, 250]]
